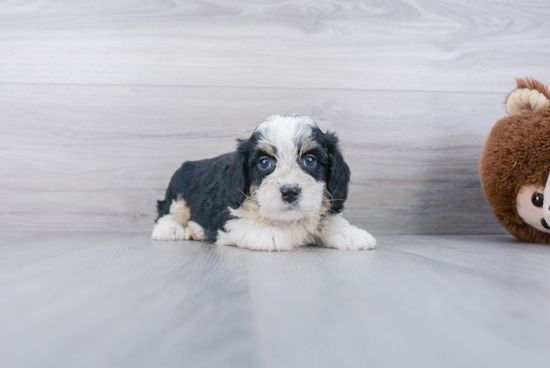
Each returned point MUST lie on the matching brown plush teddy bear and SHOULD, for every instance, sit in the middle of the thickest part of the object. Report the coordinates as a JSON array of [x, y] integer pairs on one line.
[[515, 164]]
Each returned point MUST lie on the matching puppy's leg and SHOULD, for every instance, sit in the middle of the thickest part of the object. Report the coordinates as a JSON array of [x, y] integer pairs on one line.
[[336, 232], [251, 234], [196, 232], [173, 226]]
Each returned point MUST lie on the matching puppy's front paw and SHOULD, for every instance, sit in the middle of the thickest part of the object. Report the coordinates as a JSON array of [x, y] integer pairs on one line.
[[169, 230], [351, 238], [266, 238], [196, 231]]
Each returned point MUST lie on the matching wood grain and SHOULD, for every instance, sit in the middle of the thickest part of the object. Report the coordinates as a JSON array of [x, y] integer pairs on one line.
[[391, 44], [113, 300], [102, 101], [118, 300], [83, 158]]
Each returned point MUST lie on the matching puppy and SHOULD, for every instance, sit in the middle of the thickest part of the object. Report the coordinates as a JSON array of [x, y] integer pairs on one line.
[[284, 187]]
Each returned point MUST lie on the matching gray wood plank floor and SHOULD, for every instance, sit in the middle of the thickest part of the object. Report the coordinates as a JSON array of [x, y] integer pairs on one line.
[[113, 300]]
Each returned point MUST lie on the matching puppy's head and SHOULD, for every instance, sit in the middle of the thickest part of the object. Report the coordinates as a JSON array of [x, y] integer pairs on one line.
[[290, 169]]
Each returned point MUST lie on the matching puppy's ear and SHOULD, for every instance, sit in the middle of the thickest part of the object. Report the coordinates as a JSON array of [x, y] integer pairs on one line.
[[338, 174], [237, 177]]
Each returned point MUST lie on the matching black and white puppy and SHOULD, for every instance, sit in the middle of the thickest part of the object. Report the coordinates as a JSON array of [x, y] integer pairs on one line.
[[284, 187]]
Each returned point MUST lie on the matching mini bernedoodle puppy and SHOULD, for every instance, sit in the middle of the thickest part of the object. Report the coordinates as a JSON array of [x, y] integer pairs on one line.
[[284, 187]]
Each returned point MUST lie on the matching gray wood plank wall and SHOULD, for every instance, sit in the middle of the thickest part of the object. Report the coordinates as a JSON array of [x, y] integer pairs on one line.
[[101, 101]]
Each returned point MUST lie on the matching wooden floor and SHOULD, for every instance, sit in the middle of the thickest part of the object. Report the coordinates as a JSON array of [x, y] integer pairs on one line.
[[122, 300]]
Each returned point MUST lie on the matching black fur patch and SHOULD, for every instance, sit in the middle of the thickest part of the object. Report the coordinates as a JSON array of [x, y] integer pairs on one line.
[[254, 155], [337, 173], [208, 187], [319, 171]]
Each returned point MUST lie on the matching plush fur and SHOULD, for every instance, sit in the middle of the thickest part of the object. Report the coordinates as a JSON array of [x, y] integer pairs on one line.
[[282, 188], [515, 163]]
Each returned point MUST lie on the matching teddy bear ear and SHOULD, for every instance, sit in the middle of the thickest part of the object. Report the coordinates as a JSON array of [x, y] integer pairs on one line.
[[530, 95]]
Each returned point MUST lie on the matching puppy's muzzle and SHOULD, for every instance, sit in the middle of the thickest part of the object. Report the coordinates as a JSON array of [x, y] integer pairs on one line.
[[290, 193]]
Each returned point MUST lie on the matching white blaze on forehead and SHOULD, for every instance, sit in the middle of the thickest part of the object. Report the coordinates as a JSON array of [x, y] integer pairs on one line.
[[285, 133]]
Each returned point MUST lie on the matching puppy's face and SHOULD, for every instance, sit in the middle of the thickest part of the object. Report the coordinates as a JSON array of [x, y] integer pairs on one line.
[[288, 165]]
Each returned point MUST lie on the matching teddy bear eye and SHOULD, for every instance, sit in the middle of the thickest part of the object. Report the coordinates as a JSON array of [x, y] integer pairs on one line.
[[537, 199]]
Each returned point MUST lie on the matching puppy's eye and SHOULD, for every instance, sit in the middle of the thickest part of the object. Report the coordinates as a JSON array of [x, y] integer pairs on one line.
[[265, 163], [537, 199], [310, 161]]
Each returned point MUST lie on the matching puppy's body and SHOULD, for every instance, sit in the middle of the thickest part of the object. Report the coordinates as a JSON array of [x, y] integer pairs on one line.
[[284, 187], [202, 185]]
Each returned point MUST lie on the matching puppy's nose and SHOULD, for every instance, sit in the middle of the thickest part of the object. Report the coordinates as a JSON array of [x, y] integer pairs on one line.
[[290, 193]]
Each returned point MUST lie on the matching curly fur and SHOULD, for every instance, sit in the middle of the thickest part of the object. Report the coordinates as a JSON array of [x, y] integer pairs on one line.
[[516, 154], [242, 198]]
